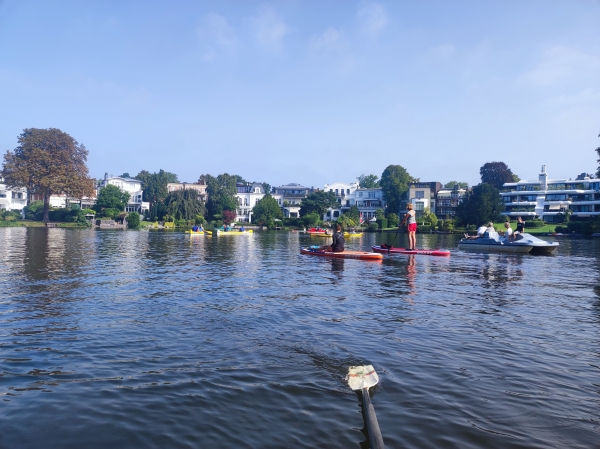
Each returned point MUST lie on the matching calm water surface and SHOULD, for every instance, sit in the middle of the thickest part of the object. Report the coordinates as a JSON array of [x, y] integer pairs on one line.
[[157, 339]]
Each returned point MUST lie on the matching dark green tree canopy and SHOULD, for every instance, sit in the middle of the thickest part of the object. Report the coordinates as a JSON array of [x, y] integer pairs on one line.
[[111, 197], [221, 193], [125, 175], [496, 174], [266, 210], [155, 185], [48, 162], [353, 213], [368, 181], [394, 184], [461, 185], [480, 206], [184, 205], [318, 202]]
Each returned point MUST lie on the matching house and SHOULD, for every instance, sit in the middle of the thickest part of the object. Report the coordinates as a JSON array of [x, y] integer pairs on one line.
[[12, 198], [131, 186], [447, 200], [200, 188], [549, 199], [289, 197], [248, 194], [368, 201], [344, 194], [422, 195]]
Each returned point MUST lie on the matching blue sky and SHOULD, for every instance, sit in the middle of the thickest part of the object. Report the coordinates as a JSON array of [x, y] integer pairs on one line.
[[311, 92]]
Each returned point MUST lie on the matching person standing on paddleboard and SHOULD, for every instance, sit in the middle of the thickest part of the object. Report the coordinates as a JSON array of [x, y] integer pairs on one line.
[[411, 221]]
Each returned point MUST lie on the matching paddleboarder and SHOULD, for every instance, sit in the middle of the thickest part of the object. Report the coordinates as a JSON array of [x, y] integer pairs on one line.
[[338, 241], [411, 221]]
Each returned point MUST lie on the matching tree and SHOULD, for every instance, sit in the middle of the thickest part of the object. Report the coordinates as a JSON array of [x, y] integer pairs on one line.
[[221, 193], [461, 185], [143, 176], [480, 205], [429, 217], [133, 219], [496, 174], [318, 202], [394, 184], [155, 185], [353, 213], [184, 205], [125, 175], [368, 181], [48, 162], [111, 197], [266, 210], [229, 216], [345, 221]]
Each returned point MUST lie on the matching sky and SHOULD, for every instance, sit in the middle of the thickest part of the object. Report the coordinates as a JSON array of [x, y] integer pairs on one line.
[[308, 92]]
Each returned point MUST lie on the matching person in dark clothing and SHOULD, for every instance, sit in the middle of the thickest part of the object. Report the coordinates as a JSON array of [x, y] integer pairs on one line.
[[520, 225], [338, 241]]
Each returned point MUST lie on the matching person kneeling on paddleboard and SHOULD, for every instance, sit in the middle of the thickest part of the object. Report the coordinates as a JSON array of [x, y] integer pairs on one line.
[[338, 241]]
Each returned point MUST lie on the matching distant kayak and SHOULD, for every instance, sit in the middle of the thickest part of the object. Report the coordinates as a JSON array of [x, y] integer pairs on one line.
[[249, 231], [424, 252], [353, 234], [345, 255], [194, 232]]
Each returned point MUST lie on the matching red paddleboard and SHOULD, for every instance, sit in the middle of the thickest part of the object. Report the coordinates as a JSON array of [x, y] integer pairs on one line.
[[345, 255], [424, 252]]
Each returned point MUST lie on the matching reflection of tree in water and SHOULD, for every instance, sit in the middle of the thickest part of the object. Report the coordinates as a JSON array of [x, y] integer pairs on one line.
[[411, 273]]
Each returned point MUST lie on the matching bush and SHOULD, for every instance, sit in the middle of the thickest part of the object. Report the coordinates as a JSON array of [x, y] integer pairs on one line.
[[382, 222], [35, 211], [133, 220], [425, 229], [373, 227], [561, 229], [535, 224], [393, 220]]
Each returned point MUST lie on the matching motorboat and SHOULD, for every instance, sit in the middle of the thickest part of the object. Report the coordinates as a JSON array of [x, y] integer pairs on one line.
[[491, 241], [539, 246]]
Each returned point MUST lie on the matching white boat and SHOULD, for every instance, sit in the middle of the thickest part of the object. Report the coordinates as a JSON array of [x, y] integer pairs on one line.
[[539, 246], [491, 241]]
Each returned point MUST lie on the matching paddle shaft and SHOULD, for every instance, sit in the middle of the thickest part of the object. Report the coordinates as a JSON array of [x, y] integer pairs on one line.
[[375, 438], [395, 235]]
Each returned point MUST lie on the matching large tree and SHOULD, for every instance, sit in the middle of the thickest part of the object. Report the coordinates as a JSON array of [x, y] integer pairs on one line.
[[155, 185], [481, 205], [496, 174], [318, 202], [184, 204], [111, 197], [394, 184], [368, 181], [266, 210], [48, 162], [221, 193]]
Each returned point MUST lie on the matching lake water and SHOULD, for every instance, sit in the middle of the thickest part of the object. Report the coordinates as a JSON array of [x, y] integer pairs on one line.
[[159, 339]]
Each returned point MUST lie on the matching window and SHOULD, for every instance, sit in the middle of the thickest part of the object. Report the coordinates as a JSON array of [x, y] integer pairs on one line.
[[360, 194], [557, 197], [336, 213], [336, 191], [419, 205], [348, 191], [420, 194]]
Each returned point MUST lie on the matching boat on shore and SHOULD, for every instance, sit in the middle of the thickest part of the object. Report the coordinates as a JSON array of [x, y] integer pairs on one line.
[[424, 252], [361, 255]]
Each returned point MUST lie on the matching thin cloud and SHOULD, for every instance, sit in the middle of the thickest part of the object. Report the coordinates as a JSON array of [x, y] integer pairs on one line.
[[372, 18], [330, 40], [333, 47], [217, 36], [269, 30], [561, 64]]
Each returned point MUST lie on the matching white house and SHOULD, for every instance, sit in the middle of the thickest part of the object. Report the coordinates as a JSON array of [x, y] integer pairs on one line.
[[289, 197], [547, 198], [368, 201], [248, 194], [12, 199], [344, 194], [131, 186]]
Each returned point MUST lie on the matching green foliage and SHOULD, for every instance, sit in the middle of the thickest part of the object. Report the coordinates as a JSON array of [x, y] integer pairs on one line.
[[429, 217], [155, 185], [157, 212], [394, 184], [111, 197], [353, 213], [382, 223], [347, 222], [368, 181], [133, 220], [598, 153], [228, 216], [266, 210], [35, 211], [496, 174], [393, 220], [379, 213], [89, 211], [221, 193], [125, 175], [461, 185], [481, 205], [8, 215], [109, 213], [184, 204], [448, 225], [535, 224], [318, 202], [67, 215], [372, 227]]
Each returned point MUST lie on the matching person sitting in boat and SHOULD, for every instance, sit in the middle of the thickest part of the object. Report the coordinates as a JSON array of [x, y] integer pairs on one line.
[[194, 228], [490, 227], [520, 226], [338, 241], [508, 232], [242, 229], [200, 228], [480, 232]]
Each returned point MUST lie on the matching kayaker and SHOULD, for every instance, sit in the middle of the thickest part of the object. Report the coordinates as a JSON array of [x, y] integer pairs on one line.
[[411, 222], [242, 229], [201, 228], [194, 228], [338, 241]]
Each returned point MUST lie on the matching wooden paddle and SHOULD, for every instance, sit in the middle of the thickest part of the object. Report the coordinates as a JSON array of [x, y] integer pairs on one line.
[[362, 378]]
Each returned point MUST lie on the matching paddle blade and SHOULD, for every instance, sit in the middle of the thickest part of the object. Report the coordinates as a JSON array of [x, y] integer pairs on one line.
[[360, 377]]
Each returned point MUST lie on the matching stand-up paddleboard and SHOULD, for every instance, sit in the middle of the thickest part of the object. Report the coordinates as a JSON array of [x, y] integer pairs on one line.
[[424, 252], [345, 255]]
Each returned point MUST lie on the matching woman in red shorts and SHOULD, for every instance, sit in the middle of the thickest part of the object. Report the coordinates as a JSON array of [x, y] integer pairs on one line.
[[411, 221]]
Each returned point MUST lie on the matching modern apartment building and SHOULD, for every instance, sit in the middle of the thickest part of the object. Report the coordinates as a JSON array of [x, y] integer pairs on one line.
[[447, 200], [549, 199], [422, 195]]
